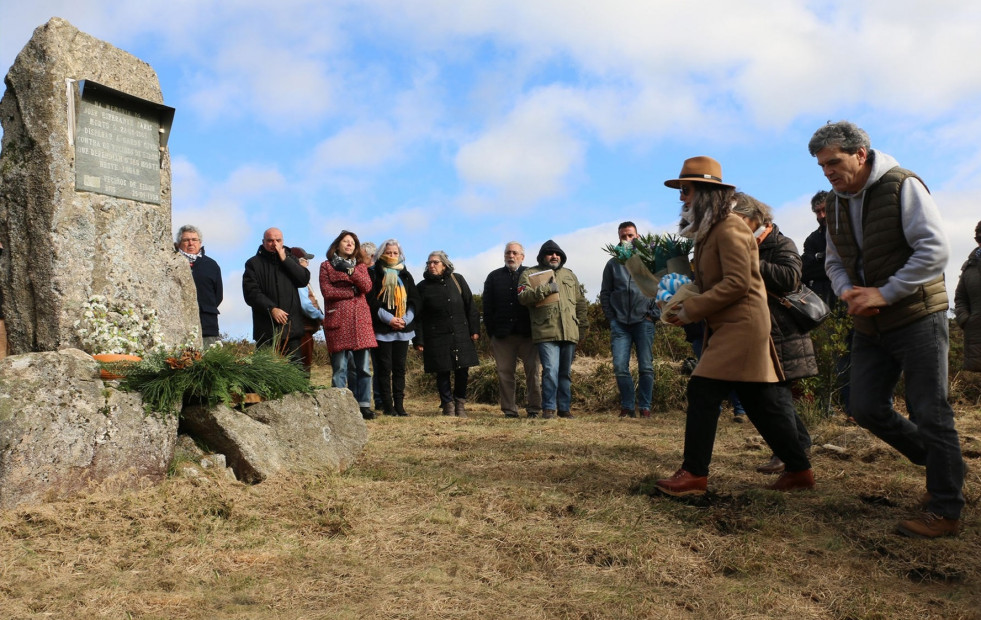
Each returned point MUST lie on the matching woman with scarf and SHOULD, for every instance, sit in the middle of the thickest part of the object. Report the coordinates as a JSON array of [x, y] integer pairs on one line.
[[394, 301], [781, 268], [738, 352], [345, 284], [450, 326]]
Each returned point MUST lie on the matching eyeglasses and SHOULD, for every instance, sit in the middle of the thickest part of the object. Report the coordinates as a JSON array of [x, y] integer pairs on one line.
[[685, 190], [195, 239], [434, 262]]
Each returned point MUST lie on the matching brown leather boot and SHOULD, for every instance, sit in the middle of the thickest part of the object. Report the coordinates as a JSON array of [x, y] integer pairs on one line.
[[460, 407], [793, 481], [683, 483], [448, 408], [548, 414], [929, 525]]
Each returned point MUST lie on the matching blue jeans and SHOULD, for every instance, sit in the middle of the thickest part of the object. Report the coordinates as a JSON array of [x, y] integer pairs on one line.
[[640, 336], [917, 351], [556, 358], [362, 386]]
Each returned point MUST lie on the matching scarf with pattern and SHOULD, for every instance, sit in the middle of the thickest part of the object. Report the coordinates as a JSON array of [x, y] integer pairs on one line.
[[392, 292]]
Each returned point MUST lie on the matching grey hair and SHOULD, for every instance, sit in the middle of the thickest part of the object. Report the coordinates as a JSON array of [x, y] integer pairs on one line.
[[369, 248], [752, 208], [385, 244], [188, 228], [510, 243], [441, 255], [845, 135]]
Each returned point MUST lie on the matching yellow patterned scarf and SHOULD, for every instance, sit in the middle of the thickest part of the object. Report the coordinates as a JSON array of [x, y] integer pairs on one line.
[[392, 291]]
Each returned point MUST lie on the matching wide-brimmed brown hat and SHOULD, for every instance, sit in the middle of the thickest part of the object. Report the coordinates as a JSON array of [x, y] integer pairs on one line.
[[699, 169]]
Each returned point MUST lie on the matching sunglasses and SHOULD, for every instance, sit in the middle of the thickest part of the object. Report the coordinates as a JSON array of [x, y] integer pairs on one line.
[[685, 190], [434, 262]]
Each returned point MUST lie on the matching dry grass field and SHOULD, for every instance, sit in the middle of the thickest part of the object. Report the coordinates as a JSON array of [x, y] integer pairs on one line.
[[494, 518]]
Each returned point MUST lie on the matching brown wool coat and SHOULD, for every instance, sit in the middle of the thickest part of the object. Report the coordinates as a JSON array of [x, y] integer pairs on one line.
[[733, 303]]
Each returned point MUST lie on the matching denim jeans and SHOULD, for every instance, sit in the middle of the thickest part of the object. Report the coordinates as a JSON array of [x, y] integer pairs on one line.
[[362, 386], [556, 358], [917, 351], [640, 336]]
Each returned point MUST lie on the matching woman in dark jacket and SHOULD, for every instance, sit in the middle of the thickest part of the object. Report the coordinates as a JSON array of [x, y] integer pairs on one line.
[[967, 305], [394, 302], [450, 326], [780, 266]]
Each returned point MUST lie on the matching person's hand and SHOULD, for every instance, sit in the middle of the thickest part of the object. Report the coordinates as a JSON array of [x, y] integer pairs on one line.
[[418, 347], [279, 316], [863, 300], [397, 323], [475, 337]]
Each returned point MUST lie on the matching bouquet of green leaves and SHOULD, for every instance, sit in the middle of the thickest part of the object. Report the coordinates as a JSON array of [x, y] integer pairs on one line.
[[653, 250], [167, 379]]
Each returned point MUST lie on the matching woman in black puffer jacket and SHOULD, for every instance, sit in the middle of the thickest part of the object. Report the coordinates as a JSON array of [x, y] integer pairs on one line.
[[780, 266]]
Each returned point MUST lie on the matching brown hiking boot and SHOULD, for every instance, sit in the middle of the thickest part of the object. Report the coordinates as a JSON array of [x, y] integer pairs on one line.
[[565, 414], [548, 414], [929, 525], [448, 408], [461, 407], [793, 481], [682, 483]]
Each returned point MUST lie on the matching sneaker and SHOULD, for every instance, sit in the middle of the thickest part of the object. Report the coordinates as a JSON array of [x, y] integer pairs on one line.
[[565, 414], [682, 483], [645, 413], [929, 525], [627, 413], [793, 481], [511, 414]]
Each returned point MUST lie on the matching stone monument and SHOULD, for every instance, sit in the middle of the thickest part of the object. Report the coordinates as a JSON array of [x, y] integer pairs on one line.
[[85, 191]]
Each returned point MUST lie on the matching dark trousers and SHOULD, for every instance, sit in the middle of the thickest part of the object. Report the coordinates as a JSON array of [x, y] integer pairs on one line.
[[459, 389], [766, 409], [391, 370]]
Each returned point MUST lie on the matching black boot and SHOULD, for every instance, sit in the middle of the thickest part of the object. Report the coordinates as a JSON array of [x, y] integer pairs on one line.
[[399, 405]]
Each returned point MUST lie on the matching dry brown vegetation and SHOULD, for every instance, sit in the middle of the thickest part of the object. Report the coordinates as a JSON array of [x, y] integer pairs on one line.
[[493, 518]]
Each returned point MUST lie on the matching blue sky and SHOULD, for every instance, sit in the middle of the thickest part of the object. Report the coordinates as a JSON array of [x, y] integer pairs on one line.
[[461, 125]]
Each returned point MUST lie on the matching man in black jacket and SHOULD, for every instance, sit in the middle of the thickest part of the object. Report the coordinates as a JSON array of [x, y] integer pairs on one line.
[[813, 274], [270, 284], [509, 327], [207, 281]]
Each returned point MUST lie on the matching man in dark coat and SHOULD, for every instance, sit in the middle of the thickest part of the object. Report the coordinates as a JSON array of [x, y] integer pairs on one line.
[[813, 274], [270, 284], [509, 327], [207, 281]]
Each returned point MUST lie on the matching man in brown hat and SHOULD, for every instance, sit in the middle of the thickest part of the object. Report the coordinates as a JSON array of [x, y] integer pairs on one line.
[[270, 284], [886, 256], [738, 353]]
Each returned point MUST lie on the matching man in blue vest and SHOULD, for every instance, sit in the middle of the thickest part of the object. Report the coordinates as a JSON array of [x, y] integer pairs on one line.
[[886, 256]]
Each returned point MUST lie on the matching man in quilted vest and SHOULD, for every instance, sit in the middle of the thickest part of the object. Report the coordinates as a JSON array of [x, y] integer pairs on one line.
[[886, 256]]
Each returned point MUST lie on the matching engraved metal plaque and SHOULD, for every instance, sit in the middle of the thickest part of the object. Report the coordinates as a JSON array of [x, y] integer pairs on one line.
[[118, 143]]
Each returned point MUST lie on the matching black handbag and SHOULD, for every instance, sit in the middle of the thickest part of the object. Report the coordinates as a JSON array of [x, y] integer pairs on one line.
[[807, 309]]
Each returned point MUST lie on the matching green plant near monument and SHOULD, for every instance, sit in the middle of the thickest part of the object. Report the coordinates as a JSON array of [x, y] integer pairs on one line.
[[169, 379]]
